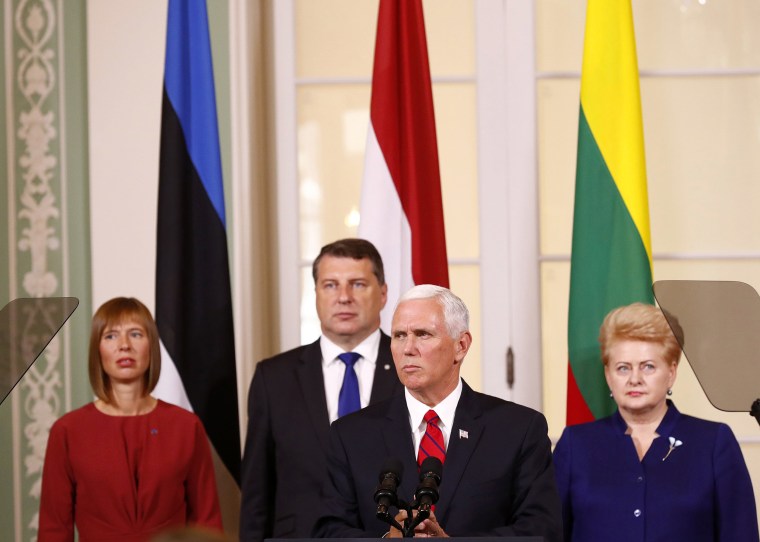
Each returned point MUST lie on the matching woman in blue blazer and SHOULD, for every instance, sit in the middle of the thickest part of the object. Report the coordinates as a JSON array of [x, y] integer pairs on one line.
[[648, 472]]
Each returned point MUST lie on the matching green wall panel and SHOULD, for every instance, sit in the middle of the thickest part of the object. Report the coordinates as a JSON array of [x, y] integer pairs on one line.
[[44, 240]]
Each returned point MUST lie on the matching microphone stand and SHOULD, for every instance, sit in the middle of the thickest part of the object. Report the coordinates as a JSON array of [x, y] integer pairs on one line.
[[390, 520], [425, 496], [407, 530], [423, 512]]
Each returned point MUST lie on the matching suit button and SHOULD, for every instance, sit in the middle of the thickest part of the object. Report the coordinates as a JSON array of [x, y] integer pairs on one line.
[[637, 512]]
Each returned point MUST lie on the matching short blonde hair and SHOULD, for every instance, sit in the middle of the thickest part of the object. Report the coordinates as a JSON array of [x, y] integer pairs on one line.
[[112, 312], [639, 322]]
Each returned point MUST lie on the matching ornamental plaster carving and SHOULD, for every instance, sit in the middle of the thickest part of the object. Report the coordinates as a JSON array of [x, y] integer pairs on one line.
[[34, 27]]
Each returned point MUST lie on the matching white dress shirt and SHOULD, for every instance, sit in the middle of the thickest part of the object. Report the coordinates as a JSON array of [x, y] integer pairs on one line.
[[445, 410], [333, 370]]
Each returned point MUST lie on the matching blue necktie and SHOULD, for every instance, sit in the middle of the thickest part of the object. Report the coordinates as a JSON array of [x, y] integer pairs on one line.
[[348, 400]]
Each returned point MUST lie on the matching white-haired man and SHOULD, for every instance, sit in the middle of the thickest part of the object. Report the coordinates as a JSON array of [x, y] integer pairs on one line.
[[497, 477]]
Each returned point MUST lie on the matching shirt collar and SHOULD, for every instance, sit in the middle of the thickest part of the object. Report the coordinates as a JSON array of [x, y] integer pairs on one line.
[[445, 409], [367, 349]]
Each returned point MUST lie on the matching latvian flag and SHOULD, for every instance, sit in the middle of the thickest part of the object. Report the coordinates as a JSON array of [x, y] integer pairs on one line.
[[401, 207]]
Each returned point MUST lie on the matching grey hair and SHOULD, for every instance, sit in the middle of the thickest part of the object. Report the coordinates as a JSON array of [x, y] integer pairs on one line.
[[455, 313]]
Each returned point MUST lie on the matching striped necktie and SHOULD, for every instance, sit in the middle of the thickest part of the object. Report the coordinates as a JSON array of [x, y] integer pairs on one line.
[[431, 444]]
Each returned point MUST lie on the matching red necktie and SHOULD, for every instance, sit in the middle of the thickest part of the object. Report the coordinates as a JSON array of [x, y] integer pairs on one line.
[[432, 444]]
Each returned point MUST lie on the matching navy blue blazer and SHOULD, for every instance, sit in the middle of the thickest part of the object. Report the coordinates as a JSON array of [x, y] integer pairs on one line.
[[497, 479], [284, 463], [700, 491]]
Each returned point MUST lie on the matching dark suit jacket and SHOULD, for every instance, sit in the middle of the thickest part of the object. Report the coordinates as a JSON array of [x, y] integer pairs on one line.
[[498, 478], [284, 462], [700, 492]]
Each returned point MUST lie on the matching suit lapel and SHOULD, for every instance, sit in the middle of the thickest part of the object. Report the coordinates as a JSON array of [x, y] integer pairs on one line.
[[463, 440], [398, 437], [385, 380], [311, 381]]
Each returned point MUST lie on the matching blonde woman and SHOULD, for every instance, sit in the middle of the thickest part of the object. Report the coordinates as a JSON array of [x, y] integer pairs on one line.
[[648, 472]]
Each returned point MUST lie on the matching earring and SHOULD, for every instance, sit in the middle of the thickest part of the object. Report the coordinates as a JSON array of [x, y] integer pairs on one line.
[[670, 392], [610, 394]]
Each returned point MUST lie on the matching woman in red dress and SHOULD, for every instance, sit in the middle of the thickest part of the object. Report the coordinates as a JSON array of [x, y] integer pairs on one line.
[[127, 465]]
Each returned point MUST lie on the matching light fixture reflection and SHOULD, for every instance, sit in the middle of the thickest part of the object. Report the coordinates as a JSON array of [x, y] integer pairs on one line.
[[352, 218]]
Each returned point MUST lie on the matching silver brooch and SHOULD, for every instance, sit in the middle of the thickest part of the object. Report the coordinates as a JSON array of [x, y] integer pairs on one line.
[[674, 443]]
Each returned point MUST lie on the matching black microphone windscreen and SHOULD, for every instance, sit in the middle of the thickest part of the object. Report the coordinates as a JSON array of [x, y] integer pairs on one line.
[[393, 466], [431, 465]]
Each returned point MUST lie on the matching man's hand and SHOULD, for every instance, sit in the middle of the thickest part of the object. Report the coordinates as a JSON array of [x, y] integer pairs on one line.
[[429, 528]]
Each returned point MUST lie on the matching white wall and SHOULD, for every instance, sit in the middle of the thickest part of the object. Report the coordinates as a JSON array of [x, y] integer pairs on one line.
[[126, 42]]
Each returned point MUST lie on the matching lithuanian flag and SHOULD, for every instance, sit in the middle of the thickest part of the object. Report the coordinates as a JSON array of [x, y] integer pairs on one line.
[[611, 263]]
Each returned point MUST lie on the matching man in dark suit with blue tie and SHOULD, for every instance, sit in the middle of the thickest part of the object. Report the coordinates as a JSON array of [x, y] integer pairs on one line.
[[497, 477], [295, 395]]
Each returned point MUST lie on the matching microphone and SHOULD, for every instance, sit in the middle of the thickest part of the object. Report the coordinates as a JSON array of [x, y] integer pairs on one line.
[[385, 494], [426, 494]]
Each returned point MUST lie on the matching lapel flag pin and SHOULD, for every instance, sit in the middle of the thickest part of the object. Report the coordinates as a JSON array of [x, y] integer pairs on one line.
[[463, 434]]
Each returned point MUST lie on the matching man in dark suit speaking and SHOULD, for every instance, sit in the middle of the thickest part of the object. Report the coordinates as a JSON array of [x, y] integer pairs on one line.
[[497, 477], [295, 395]]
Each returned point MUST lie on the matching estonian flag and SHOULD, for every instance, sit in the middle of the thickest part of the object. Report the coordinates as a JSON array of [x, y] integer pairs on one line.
[[193, 302]]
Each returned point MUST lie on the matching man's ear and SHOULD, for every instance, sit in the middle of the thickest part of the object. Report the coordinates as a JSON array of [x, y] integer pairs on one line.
[[462, 346], [383, 295]]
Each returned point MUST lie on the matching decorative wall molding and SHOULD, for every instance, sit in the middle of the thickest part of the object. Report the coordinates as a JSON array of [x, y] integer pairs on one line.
[[35, 57], [34, 24]]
